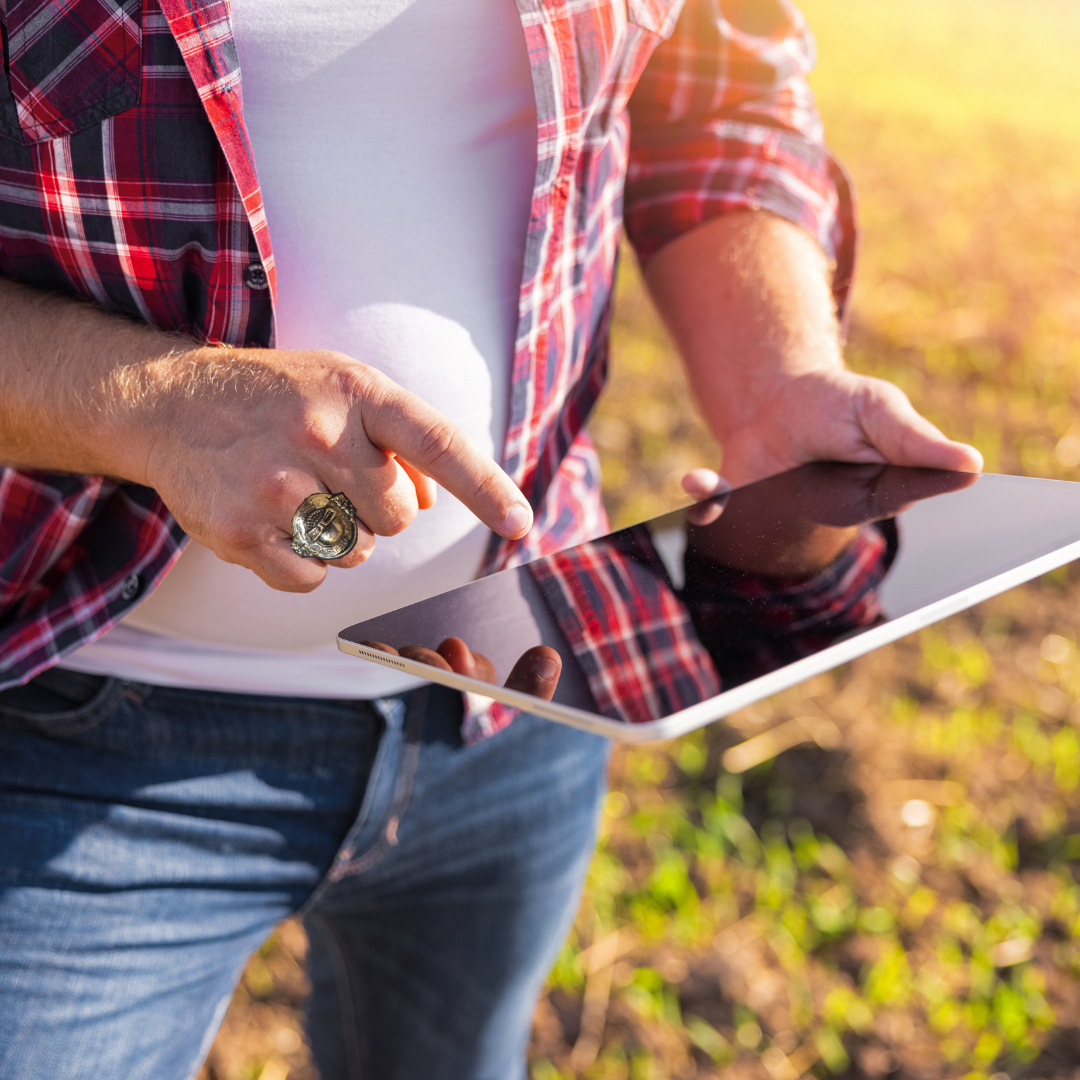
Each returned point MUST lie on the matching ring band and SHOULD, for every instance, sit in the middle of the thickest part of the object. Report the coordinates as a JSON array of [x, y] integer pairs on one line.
[[324, 527]]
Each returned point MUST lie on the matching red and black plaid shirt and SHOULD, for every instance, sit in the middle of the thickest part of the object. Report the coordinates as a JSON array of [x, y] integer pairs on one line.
[[648, 649], [127, 180]]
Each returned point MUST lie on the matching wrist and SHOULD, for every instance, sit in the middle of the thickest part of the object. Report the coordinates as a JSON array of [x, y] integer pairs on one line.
[[142, 403]]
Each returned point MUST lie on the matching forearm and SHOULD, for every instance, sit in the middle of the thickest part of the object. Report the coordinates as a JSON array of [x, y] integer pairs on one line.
[[746, 298], [233, 440], [72, 381]]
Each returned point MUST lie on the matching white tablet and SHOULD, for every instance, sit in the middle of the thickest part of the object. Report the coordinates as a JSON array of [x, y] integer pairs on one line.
[[666, 626]]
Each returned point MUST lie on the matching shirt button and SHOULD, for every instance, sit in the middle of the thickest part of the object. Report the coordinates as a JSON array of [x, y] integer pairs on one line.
[[131, 586], [254, 276]]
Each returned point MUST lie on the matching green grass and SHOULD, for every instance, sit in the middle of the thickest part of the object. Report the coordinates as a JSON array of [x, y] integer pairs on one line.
[[789, 921], [793, 914]]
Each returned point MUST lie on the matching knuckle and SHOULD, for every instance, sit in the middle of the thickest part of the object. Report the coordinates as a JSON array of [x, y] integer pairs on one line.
[[295, 582], [358, 381], [363, 551], [441, 442], [885, 391], [365, 546], [317, 431], [398, 519]]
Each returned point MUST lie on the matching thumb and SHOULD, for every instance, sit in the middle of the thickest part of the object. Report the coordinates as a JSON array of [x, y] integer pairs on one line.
[[893, 427]]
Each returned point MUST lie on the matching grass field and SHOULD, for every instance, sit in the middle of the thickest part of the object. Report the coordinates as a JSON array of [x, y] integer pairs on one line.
[[895, 896]]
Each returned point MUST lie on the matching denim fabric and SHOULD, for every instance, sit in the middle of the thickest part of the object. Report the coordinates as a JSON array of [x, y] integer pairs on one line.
[[150, 838]]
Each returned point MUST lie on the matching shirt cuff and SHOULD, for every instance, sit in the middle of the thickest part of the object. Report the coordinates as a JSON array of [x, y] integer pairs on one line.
[[680, 177]]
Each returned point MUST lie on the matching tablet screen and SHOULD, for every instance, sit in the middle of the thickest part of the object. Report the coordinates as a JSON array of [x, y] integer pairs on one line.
[[660, 617]]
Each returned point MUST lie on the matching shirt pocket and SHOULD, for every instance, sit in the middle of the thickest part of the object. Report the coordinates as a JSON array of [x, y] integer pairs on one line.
[[68, 66], [657, 16]]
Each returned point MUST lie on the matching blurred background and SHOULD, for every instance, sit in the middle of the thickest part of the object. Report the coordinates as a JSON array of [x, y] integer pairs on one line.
[[882, 883]]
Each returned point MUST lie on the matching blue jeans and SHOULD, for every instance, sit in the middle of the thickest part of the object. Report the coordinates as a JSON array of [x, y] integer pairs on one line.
[[150, 839]]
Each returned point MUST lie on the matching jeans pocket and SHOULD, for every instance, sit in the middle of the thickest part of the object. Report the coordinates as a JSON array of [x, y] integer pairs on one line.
[[68, 66], [60, 703]]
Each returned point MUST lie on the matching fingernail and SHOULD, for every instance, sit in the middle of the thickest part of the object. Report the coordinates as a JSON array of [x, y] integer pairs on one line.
[[518, 520], [545, 669]]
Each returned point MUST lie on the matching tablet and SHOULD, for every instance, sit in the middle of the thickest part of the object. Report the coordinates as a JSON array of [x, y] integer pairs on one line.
[[669, 625]]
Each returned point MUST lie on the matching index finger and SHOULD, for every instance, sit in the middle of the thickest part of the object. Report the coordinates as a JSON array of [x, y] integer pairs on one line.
[[398, 421]]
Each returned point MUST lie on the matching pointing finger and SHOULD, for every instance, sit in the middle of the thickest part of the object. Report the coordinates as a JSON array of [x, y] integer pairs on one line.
[[401, 423]]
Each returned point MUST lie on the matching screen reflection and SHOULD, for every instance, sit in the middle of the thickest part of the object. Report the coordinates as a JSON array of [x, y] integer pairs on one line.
[[655, 618]]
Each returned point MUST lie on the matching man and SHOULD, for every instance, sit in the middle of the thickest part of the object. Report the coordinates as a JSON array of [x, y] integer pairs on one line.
[[185, 758]]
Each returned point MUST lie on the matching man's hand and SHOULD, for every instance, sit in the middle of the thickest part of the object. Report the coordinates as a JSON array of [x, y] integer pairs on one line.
[[747, 300], [232, 439], [240, 440], [836, 415]]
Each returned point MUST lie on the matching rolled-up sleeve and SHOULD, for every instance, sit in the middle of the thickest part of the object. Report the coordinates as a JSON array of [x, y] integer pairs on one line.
[[722, 120]]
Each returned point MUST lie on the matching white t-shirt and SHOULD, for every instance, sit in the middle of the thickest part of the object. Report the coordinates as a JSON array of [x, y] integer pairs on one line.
[[396, 147]]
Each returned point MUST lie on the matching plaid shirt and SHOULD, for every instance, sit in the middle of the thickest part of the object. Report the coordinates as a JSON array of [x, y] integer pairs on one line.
[[626, 626], [648, 650], [127, 180]]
